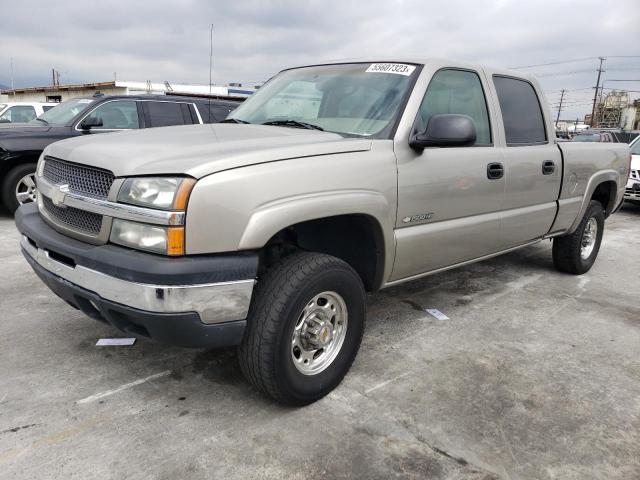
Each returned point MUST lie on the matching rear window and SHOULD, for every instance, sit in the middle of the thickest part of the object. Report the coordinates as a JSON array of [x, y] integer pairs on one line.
[[164, 114], [521, 112]]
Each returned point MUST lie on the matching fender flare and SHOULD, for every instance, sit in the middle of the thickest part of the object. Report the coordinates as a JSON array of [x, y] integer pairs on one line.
[[272, 217], [592, 184]]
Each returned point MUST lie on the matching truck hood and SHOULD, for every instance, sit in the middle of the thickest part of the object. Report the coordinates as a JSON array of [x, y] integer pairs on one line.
[[199, 150]]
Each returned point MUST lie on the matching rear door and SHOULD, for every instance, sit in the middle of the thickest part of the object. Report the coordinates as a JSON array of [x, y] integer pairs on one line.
[[532, 161], [448, 206]]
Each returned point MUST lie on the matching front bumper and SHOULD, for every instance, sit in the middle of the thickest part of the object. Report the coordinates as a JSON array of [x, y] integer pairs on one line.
[[197, 301], [632, 190]]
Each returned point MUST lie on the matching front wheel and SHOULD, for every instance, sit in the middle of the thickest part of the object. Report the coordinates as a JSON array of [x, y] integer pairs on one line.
[[19, 186], [576, 253], [304, 328]]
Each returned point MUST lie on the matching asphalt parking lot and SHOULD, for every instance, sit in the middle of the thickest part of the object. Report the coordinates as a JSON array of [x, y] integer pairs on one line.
[[535, 375]]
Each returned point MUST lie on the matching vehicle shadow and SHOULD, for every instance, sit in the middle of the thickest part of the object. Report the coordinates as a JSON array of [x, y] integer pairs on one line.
[[632, 208]]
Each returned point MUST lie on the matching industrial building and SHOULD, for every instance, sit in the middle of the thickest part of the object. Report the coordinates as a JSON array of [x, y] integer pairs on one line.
[[616, 110], [60, 93]]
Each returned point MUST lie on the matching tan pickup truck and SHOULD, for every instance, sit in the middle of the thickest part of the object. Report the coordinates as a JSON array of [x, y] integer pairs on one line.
[[332, 180]]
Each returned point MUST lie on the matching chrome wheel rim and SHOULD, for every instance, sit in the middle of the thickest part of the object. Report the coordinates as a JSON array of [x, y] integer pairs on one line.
[[26, 189], [319, 333], [589, 238]]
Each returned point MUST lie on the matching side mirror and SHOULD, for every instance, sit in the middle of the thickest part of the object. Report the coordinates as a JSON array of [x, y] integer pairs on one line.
[[91, 122], [446, 130]]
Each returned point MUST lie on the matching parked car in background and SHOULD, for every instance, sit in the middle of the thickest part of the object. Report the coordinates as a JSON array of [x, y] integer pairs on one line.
[[22, 144], [632, 191], [265, 231], [23, 112], [594, 137], [608, 136]]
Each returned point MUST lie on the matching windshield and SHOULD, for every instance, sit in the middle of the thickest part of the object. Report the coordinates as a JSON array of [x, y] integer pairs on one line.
[[594, 137], [359, 99], [64, 113], [635, 147]]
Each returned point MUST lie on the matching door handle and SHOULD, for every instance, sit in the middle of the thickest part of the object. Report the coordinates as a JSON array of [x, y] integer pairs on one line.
[[548, 167], [495, 171]]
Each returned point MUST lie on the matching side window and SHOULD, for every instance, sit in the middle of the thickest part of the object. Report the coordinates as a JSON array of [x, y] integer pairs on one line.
[[459, 92], [164, 114], [220, 112], [521, 112], [119, 114], [19, 114], [46, 108]]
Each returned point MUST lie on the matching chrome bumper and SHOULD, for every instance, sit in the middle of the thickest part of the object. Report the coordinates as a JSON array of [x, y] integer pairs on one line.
[[214, 302]]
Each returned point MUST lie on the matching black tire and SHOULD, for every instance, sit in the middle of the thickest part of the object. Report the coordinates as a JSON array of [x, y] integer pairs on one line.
[[567, 249], [10, 182], [265, 352]]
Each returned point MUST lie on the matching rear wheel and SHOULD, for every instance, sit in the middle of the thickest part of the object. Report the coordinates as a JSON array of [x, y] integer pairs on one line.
[[576, 253], [304, 328], [19, 186]]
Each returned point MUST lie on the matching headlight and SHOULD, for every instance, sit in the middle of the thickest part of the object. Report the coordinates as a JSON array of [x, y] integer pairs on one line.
[[164, 193], [152, 238]]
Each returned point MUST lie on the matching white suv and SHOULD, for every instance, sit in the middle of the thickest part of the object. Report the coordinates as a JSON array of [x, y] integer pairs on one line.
[[22, 112]]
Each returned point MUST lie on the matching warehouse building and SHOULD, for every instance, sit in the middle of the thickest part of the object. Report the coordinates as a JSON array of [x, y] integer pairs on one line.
[[60, 93]]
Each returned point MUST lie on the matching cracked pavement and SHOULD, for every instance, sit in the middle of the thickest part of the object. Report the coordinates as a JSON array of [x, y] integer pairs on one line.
[[536, 374]]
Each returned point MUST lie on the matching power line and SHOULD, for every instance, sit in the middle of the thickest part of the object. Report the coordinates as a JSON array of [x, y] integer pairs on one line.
[[559, 74], [554, 63], [575, 60]]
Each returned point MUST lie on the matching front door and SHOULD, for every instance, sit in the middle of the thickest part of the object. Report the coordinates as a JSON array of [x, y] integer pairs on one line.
[[449, 199]]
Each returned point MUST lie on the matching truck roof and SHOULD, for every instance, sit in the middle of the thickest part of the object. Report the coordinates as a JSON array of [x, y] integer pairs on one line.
[[425, 61]]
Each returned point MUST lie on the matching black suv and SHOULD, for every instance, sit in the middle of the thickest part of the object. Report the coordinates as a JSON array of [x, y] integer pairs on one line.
[[22, 144]]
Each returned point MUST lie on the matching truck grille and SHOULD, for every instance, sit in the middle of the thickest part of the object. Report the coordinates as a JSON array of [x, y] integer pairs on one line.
[[83, 180], [86, 222]]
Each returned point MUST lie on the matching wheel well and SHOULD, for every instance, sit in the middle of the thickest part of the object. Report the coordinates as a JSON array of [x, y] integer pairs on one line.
[[14, 161], [357, 239], [605, 193]]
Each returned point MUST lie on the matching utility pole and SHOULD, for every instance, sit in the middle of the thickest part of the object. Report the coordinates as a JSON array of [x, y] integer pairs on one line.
[[595, 95], [560, 107], [11, 68]]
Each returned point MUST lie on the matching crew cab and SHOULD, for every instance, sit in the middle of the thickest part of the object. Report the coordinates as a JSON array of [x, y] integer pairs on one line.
[[265, 231], [22, 112], [21, 144]]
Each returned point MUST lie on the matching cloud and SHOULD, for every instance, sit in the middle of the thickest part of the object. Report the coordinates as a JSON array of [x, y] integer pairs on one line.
[[253, 39]]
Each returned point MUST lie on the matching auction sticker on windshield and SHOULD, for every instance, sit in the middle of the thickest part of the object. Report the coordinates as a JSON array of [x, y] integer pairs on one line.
[[397, 68]]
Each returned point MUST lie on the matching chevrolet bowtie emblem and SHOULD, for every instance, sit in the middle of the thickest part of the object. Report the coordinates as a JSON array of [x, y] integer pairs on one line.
[[58, 194]]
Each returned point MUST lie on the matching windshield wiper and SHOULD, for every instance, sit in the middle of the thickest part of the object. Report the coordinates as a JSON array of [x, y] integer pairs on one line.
[[293, 123], [42, 120], [234, 120]]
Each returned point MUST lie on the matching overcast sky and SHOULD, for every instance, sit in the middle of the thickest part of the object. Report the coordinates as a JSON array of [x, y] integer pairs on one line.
[[158, 40]]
